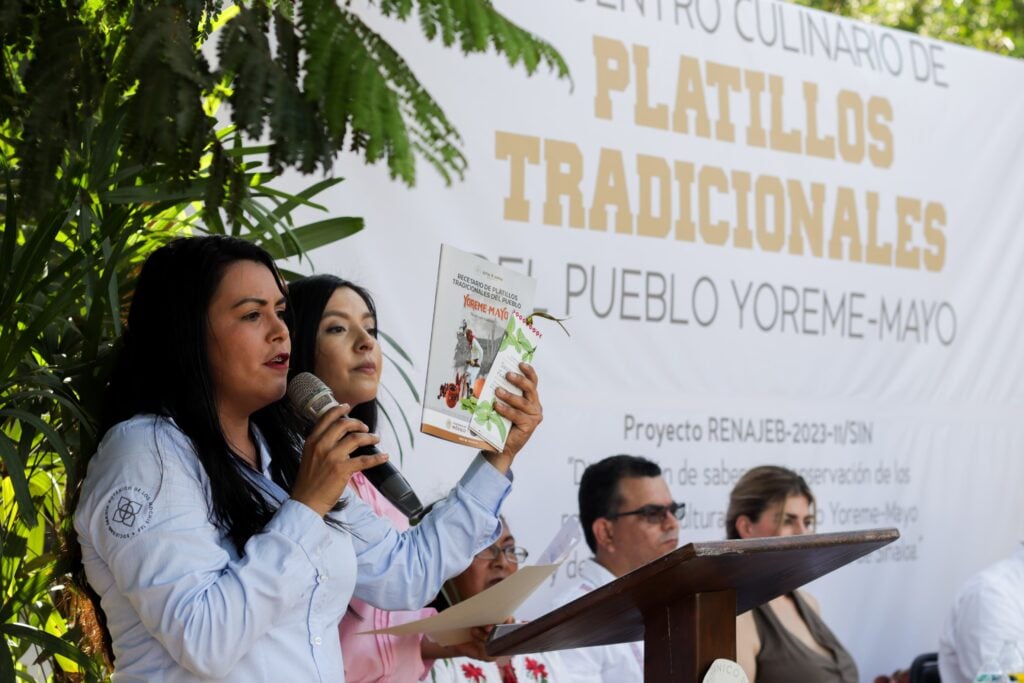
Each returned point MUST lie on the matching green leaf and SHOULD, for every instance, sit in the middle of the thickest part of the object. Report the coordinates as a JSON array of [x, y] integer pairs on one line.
[[57, 627], [405, 377], [10, 236], [293, 201], [7, 659], [26, 592], [396, 346], [477, 26], [15, 467], [45, 640], [53, 438], [317, 234], [499, 422], [391, 424], [289, 275], [405, 419], [140, 194], [483, 411]]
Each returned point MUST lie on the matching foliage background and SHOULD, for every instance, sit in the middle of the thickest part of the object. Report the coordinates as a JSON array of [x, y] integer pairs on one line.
[[113, 142], [992, 25]]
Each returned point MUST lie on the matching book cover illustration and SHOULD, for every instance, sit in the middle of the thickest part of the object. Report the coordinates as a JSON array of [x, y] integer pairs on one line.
[[518, 344], [473, 305]]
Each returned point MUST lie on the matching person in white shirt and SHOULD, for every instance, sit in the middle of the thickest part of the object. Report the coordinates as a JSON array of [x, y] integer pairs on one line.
[[473, 360], [629, 519], [223, 546], [987, 612]]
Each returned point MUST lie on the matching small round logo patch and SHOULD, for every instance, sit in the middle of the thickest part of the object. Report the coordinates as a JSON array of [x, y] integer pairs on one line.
[[129, 511]]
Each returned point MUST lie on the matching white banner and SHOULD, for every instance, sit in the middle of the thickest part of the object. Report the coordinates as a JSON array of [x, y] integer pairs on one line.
[[780, 237]]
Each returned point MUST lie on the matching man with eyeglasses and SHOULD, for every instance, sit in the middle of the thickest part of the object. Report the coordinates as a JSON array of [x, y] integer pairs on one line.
[[629, 519]]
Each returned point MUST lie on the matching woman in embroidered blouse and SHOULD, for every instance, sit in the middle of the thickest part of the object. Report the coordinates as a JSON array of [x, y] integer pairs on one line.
[[489, 567]]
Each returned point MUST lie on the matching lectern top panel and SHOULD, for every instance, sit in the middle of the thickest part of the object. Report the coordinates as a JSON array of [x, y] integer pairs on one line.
[[756, 569]]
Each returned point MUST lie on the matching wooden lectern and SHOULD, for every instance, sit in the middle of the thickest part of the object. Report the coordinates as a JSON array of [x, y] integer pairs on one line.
[[684, 605]]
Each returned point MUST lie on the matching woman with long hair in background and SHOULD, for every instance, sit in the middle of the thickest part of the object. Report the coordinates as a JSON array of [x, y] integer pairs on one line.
[[336, 339]]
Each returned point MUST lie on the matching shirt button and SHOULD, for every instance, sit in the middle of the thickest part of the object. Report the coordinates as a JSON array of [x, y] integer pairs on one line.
[[318, 640], [320, 578]]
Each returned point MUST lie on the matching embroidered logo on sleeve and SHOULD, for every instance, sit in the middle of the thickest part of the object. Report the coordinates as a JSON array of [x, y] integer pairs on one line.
[[129, 511]]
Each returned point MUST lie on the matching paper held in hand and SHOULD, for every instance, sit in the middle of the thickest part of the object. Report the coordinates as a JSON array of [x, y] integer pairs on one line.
[[497, 603], [491, 606], [475, 304]]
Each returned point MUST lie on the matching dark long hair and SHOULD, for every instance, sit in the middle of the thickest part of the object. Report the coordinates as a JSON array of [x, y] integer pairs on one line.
[[163, 369], [308, 298]]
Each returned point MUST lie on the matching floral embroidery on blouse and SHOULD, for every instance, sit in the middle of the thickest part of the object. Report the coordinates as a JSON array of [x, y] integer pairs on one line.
[[473, 673], [537, 671]]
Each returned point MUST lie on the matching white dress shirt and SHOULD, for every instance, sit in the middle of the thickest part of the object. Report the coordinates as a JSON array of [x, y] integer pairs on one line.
[[987, 611], [183, 606], [619, 663]]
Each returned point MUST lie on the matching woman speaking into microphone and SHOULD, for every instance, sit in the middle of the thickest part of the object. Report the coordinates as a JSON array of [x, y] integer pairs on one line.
[[335, 338], [221, 545]]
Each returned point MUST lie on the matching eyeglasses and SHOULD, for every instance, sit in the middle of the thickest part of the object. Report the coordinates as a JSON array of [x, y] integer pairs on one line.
[[653, 514], [513, 554]]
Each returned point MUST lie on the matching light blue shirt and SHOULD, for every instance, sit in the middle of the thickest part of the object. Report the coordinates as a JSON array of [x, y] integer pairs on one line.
[[182, 605]]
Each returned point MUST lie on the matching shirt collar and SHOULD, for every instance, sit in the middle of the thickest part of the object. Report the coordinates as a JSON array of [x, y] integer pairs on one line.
[[595, 573], [264, 454]]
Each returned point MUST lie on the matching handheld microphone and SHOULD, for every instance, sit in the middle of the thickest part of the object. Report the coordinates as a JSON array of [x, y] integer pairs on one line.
[[312, 398]]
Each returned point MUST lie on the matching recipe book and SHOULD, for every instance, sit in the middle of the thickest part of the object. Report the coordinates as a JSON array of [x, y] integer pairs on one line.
[[479, 333]]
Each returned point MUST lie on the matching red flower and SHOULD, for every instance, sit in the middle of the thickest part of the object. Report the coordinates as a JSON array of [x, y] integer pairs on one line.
[[473, 673], [537, 670]]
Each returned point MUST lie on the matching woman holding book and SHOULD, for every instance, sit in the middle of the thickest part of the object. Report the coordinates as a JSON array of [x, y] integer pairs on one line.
[[222, 545], [336, 339]]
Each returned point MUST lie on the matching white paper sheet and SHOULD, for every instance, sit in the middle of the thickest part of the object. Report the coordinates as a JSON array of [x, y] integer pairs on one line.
[[488, 607]]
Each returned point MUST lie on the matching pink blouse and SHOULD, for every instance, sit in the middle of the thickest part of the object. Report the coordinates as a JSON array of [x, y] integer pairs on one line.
[[380, 657]]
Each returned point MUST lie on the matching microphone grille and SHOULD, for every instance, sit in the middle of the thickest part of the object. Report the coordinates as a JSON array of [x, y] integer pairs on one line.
[[309, 395]]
